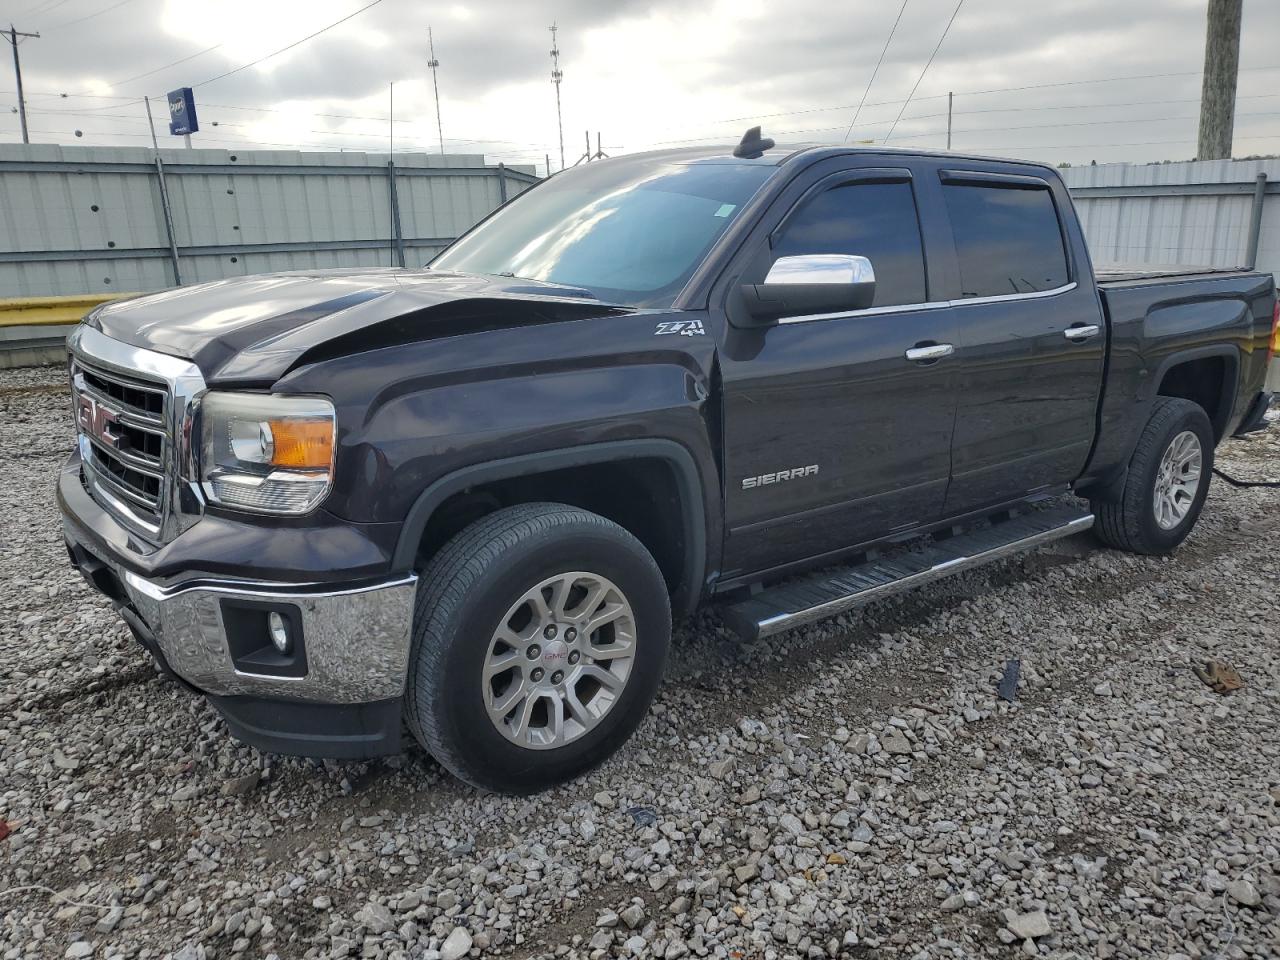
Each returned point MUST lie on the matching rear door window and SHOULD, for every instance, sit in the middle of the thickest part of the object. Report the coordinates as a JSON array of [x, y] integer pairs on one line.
[[1008, 240]]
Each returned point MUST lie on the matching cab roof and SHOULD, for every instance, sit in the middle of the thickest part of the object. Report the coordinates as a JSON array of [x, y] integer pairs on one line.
[[781, 154]]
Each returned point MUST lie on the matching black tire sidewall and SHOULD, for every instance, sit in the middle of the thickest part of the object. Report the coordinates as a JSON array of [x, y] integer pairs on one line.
[[494, 762], [1156, 537]]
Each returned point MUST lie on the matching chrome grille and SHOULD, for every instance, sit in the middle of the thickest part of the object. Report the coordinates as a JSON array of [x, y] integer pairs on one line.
[[125, 444], [135, 411]]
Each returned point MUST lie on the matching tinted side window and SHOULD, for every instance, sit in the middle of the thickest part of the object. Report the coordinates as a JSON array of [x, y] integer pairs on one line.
[[1007, 240], [872, 220]]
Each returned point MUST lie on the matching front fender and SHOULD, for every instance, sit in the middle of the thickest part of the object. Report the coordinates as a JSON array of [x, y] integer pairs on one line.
[[695, 491], [417, 419]]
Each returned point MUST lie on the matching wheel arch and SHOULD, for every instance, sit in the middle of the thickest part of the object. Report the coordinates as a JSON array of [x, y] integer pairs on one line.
[[1221, 409], [686, 582]]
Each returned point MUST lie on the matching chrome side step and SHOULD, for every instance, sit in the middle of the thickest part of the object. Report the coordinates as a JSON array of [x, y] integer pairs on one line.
[[835, 590]]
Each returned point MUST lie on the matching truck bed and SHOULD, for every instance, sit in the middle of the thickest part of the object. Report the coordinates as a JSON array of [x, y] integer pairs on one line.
[[1157, 313], [1117, 273]]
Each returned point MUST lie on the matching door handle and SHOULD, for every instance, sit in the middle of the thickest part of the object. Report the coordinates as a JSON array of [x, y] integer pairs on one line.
[[1082, 332], [930, 352]]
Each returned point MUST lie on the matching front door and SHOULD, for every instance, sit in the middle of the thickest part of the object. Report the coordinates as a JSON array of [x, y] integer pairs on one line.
[[1031, 340], [832, 436]]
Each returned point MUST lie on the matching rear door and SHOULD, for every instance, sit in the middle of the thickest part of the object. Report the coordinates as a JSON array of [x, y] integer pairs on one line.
[[1032, 339], [832, 436]]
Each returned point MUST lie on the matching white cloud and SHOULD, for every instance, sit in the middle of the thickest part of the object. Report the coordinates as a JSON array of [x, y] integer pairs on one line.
[[645, 72]]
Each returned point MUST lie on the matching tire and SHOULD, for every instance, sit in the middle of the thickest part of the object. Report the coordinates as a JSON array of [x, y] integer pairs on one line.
[[474, 586], [1131, 523]]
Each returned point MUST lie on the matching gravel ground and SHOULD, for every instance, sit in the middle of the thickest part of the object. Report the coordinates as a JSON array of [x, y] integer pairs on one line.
[[853, 789]]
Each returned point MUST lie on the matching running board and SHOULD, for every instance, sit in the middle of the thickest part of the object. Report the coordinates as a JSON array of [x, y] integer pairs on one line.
[[835, 590]]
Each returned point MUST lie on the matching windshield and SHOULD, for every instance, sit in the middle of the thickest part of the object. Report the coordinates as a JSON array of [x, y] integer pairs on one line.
[[626, 232]]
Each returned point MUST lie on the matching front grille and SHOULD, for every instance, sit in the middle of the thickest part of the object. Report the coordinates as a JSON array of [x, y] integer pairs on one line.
[[144, 399], [122, 420]]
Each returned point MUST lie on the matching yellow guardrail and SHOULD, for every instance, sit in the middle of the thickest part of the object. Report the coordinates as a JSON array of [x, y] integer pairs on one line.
[[40, 311]]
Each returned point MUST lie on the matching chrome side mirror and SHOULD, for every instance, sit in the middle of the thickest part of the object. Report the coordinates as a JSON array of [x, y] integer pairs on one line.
[[821, 268], [815, 283]]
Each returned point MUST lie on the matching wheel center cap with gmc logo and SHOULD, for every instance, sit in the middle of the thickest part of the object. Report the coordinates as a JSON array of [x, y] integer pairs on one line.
[[555, 653]]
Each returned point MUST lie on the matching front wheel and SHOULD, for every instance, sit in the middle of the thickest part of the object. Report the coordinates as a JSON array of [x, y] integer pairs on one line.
[[540, 635], [1167, 482]]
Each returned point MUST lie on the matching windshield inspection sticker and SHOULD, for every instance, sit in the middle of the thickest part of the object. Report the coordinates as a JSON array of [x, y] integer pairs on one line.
[[686, 328], [726, 209]]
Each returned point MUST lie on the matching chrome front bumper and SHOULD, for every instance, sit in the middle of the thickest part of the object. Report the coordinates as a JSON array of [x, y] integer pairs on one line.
[[356, 640]]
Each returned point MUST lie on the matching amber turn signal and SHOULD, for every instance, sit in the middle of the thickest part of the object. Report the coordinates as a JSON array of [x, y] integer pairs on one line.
[[302, 444]]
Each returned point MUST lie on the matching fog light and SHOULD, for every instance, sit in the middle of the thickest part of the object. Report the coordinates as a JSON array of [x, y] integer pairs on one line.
[[279, 631]]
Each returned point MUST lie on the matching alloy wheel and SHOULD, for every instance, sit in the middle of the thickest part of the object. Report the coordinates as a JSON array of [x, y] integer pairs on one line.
[[559, 660], [1177, 479]]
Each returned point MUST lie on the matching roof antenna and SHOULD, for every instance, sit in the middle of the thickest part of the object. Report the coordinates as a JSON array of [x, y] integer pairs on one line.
[[753, 145]]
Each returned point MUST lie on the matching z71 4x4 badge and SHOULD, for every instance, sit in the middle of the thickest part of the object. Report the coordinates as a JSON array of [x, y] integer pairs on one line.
[[686, 328]]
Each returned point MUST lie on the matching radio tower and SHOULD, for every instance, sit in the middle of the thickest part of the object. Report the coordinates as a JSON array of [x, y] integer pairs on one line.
[[556, 76], [434, 64]]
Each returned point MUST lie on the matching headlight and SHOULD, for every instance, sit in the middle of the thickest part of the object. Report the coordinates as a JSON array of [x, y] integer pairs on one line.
[[268, 454]]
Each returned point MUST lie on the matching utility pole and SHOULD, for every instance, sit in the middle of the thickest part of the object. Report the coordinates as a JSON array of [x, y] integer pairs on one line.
[[1218, 92], [950, 99], [556, 76], [12, 36], [433, 63]]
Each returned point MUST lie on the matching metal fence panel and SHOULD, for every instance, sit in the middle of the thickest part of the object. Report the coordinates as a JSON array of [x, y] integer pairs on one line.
[[1195, 213], [79, 220]]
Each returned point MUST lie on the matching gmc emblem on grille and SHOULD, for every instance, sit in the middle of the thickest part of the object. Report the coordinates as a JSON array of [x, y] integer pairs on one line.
[[97, 421]]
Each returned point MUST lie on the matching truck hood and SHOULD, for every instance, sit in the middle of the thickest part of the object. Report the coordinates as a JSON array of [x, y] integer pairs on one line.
[[252, 330]]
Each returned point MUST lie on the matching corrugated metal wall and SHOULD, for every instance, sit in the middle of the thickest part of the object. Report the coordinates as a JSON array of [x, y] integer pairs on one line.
[[87, 220], [1195, 213]]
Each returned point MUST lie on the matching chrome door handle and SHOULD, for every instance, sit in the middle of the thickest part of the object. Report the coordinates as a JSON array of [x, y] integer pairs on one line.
[[1078, 334], [933, 352]]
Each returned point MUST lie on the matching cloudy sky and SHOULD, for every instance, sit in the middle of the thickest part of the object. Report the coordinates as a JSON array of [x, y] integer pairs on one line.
[[1066, 80]]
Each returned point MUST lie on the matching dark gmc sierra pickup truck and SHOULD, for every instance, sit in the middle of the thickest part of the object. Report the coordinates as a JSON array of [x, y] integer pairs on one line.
[[470, 498]]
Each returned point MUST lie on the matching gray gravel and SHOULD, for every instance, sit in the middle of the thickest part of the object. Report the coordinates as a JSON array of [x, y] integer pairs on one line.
[[854, 789]]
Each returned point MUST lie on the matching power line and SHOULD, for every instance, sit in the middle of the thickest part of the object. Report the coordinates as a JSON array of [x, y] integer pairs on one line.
[[90, 16], [807, 110], [90, 113], [120, 83], [1081, 123], [1089, 146], [45, 7], [223, 124], [958, 93], [1040, 146], [296, 43], [1092, 106], [1041, 126], [927, 64], [883, 51]]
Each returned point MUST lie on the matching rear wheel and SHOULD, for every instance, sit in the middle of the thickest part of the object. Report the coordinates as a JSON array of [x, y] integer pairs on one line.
[[540, 635], [1167, 482]]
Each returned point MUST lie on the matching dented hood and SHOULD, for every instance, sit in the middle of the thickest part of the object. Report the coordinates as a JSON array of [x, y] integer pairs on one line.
[[254, 329]]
